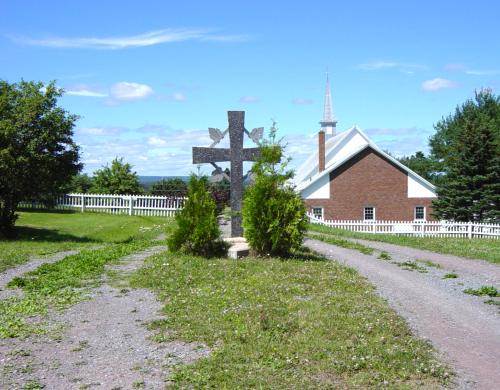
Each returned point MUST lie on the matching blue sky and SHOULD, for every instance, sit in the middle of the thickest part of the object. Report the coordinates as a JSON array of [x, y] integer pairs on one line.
[[148, 78]]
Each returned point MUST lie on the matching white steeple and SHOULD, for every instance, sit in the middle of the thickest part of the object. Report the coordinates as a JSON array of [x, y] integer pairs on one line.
[[329, 123]]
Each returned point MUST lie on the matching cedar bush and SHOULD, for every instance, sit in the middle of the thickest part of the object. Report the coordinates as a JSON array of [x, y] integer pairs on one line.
[[197, 229], [274, 215]]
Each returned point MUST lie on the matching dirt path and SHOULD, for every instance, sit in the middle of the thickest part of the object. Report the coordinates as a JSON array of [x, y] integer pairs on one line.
[[105, 342], [460, 326], [480, 268]]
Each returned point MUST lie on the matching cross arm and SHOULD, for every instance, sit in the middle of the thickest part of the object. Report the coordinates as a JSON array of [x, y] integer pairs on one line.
[[208, 155], [251, 154]]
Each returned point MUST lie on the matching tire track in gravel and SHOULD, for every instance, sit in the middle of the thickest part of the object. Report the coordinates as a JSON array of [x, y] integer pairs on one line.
[[105, 343], [461, 327]]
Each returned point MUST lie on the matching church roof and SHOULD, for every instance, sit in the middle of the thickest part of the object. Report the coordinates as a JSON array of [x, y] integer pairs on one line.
[[340, 149]]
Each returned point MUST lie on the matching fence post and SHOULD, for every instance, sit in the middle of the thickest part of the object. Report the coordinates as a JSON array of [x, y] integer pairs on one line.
[[130, 205], [469, 230], [83, 203]]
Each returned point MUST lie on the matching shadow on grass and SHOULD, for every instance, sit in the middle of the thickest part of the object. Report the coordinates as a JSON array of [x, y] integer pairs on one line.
[[305, 254], [26, 233], [47, 211]]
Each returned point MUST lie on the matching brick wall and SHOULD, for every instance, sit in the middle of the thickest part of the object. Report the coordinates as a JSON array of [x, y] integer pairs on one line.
[[369, 179]]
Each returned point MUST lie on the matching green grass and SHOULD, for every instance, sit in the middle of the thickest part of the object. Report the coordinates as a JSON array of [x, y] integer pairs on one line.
[[272, 323], [489, 291], [42, 233], [57, 285], [334, 240], [477, 248], [450, 275]]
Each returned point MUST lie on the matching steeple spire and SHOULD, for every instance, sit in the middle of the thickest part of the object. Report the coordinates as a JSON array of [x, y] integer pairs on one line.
[[329, 123]]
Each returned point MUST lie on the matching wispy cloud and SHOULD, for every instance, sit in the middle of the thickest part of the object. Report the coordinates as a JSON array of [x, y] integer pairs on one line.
[[400, 66], [249, 99], [400, 141], [438, 84], [140, 40], [86, 91], [302, 101], [457, 67]]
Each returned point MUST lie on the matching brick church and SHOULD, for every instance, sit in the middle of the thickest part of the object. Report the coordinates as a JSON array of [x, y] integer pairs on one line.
[[350, 178]]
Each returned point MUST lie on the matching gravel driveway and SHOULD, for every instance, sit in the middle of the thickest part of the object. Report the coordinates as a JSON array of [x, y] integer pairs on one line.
[[104, 343], [462, 327]]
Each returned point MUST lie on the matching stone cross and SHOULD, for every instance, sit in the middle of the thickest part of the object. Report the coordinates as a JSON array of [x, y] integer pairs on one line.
[[236, 154]]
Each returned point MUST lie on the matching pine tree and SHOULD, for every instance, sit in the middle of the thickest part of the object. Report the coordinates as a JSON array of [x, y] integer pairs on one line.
[[471, 191]]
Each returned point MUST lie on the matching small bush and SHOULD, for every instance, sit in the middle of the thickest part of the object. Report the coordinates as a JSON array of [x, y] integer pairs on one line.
[[197, 230], [274, 215], [450, 275]]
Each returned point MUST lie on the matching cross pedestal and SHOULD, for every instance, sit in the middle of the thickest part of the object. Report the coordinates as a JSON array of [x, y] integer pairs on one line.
[[236, 154]]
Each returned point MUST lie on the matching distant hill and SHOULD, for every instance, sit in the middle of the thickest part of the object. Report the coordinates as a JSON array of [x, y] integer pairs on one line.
[[147, 181]]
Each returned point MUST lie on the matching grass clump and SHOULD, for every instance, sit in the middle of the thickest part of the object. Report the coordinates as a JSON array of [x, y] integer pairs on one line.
[[476, 248], [429, 263], [450, 275], [197, 229], [384, 256], [284, 324], [412, 266], [338, 241], [490, 291]]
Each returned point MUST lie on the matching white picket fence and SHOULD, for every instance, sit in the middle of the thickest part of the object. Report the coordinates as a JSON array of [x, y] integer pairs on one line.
[[163, 206], [415, 228]]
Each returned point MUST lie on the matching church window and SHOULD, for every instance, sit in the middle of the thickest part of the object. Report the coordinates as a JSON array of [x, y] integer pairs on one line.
[[369, 213], [420, 213], [318, 212]]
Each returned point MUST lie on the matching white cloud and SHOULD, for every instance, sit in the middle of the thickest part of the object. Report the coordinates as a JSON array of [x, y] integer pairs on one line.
[[157, 141], [408, 68], [83, 90], [127, 91], [302, 101], [438, 84], [249, 99], [140, 40], [91, 131]]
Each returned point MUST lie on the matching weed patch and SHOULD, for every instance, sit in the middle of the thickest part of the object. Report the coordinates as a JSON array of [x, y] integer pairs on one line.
[[384, 256], [490, 291], [412, 266], [450, 275]]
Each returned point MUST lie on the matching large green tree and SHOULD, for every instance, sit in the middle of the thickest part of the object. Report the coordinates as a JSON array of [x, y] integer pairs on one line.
[[116, 179], [467, 145], [37, 151]]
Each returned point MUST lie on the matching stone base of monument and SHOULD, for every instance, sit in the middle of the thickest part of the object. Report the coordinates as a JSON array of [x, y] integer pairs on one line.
[[239, 247]]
